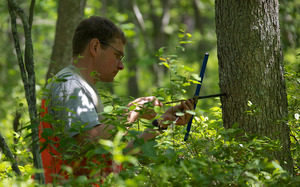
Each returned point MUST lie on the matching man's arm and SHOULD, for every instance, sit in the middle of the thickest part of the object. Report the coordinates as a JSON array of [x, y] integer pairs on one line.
[[102, 131]]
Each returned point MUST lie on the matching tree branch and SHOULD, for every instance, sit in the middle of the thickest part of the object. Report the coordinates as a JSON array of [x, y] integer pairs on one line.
[[17, 43], [31, 11], [138, 15], [166, 15], [141, 23], [28, 41], [9, 155]]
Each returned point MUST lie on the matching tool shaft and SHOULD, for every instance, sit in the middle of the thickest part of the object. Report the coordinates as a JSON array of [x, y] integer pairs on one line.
[[200, 97]]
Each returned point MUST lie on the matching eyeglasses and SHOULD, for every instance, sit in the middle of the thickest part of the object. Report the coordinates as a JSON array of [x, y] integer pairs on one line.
[[120, 56]]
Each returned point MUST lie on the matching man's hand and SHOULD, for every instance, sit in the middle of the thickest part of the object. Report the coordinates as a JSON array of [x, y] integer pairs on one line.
[[141, 111], [170, 114]]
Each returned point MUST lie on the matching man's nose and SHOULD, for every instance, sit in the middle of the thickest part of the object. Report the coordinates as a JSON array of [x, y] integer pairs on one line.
[[120, 65]]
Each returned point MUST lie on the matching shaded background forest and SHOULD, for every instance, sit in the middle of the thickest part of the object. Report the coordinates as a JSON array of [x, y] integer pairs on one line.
[[157, 25]]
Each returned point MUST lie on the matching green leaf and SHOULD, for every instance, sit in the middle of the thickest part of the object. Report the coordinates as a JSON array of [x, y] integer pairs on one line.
[[276, 165], [47, 132], [179, 114], [82, 179], [4, 165], [107, 143], [188, 68], [193, 81], [186, 84], [196, 77], [191, 112], [132, 107], [68, 110], [184, 168], [148, 149], [41, 110], [161, 50], [156, 108], [67, 168], [166, 64], [251, 175], [61, 80], [180, 35], [186, 42], [160, 98], [93, 73], [108, 109]]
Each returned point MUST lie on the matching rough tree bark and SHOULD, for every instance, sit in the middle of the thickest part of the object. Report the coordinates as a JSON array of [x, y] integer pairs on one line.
[[28, 75], [251, 69], [70, 13]]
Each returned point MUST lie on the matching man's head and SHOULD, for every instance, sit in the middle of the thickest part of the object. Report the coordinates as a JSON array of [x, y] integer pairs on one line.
[[95, 27], [101, 43]]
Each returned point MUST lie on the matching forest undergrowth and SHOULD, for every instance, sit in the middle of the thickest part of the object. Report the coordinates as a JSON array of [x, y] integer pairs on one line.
[[212, 156]]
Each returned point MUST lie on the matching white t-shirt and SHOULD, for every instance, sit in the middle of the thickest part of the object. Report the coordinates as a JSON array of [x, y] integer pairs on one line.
[[74, 103]]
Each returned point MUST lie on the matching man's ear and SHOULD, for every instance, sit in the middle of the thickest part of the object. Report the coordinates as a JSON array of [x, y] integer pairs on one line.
[[94, 46]]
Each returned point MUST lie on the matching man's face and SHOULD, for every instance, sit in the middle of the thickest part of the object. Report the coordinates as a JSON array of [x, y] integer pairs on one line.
[[108, 62]]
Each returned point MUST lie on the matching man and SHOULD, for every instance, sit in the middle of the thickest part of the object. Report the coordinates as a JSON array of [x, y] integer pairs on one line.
[[72, 104]]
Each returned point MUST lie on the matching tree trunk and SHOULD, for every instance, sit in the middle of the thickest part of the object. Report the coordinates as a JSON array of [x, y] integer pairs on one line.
[[28, 76], [198, 16], [159, 36], [133, 88], [251, 70], [70, 13]]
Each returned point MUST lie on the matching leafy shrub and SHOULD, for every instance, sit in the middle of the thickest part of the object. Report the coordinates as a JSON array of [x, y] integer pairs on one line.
[[293, 85], [212, 157]]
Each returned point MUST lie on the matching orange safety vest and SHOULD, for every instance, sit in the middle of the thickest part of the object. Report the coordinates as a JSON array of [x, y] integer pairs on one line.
[[52, 159], [50, 156]]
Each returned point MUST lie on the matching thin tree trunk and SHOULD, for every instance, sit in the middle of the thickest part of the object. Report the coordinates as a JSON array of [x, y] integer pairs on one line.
[[28, 76], [198, 16], [70, 13], [133, 89], [251, 70], [132, 84], [159, 36]]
